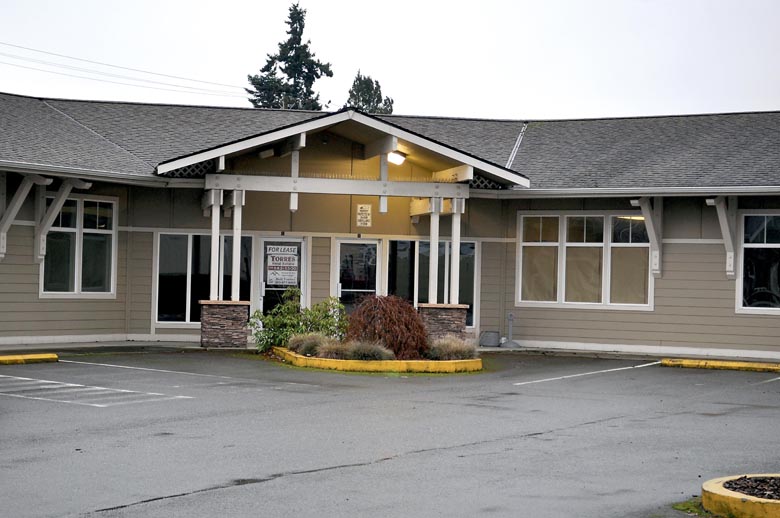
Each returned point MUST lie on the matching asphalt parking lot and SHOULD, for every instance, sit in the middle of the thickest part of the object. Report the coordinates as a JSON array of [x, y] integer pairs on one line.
[[210, 434]]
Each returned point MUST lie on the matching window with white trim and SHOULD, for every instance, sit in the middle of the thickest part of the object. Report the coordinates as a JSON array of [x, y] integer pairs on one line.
[[81, 248], [761, 261], [584, 260], [184, 274]]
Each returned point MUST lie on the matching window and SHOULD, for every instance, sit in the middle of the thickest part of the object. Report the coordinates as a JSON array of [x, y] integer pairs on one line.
[[761, 262], [81, 249], [408, 263], [184, 270], [584, 260]]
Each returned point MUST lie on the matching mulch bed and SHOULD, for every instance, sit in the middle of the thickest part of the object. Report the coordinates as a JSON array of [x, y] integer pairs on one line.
[[760, 487]]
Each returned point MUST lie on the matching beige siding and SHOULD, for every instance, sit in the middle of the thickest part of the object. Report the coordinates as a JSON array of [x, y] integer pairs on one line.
[[24, 313], [139, 267], [694, 307], [320, 269], [491, 300]]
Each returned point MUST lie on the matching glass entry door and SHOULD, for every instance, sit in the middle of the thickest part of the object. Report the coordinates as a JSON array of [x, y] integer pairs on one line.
[[281, 270], [358, 271]]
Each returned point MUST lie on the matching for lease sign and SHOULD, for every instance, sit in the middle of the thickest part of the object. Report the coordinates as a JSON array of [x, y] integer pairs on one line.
[[281, 265]]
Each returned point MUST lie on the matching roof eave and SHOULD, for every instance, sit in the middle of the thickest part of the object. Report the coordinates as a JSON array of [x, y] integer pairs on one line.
[[79, 172], [514, 194]]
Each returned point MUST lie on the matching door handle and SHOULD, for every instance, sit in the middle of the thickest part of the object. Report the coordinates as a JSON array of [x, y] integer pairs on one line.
[[338, 290], [262, 289]]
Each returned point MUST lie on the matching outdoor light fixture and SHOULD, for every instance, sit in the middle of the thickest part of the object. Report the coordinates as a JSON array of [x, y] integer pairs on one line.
[[396, 157]]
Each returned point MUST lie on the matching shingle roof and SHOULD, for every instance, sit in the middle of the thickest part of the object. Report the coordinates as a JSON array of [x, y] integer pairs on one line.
[[740, 149], [34, 133]]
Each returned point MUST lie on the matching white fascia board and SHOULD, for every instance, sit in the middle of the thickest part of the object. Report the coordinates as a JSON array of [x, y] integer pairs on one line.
[[336, 186], [622, 192], [77, 172], [442, 150], [336, 118], [257, 141]]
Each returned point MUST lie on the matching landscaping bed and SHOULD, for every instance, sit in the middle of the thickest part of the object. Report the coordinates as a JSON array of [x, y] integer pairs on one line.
[[759, 487]]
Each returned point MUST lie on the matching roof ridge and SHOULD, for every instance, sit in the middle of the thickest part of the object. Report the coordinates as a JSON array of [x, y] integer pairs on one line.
[[46, 102]]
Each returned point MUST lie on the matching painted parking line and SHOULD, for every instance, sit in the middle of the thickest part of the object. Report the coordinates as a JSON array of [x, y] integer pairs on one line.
[[587, 374], [768, 381], [200, 374], [76, 394]]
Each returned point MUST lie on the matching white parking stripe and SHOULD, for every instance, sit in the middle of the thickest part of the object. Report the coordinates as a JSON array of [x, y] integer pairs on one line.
[[769, 381], [74, 393], [587, 374]]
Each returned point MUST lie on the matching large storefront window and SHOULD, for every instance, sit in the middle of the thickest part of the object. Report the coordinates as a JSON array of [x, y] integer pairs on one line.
[[80, 257], [594, 260], [184, 270], [761, 262], [408, 263]]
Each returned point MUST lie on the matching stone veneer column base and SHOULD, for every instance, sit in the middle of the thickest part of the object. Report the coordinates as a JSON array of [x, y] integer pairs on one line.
[[444, 319], [223, 323]]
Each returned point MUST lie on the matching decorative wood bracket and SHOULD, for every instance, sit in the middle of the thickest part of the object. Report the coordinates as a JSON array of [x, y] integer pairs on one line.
[[43, 225], [10, 212], [727, 218], [462, 173], [211, 198], [653, 214]]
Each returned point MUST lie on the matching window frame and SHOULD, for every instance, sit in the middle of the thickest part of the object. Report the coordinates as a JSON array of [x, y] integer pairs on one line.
[[79, 231], [739, 252], [445, 265], [187, 323], [562, 244]]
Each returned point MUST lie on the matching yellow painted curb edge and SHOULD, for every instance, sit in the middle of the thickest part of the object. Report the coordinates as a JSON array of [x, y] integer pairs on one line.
[[428, 366], [15, 359], [721, 364], [718, 500]]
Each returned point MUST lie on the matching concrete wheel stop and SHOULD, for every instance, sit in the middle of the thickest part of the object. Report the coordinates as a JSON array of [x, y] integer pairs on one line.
[[718, 500]]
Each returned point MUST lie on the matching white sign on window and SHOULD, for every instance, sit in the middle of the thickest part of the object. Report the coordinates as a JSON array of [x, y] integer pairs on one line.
[[364, 215], [281, 265]]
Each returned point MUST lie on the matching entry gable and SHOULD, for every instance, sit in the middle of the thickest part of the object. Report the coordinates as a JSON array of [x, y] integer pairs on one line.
[[376, 136]]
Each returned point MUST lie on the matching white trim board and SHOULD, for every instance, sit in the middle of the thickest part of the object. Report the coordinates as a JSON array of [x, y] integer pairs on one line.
[[96, 339], [652, 350]]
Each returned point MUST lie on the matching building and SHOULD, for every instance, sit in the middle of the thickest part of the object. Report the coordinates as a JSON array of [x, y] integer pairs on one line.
[[652, 235]]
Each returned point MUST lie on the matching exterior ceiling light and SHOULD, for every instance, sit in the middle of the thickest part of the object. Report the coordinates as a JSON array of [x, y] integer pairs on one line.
[[396, 157]]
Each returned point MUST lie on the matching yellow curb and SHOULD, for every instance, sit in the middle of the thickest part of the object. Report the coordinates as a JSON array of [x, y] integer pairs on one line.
[[718, 500], [721, 364], [427, 366], [15, 359]]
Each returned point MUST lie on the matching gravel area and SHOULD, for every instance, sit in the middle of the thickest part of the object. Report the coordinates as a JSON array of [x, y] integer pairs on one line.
[[760, 487]]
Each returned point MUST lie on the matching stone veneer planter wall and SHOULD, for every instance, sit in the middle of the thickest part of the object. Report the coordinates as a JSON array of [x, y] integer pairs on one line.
[[444, 319], [223, 323]]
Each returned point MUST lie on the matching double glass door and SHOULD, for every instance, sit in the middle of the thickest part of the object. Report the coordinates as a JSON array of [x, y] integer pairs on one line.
[[281, 269]]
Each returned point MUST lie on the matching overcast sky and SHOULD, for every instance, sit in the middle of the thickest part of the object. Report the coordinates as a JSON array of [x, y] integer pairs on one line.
[[488, 59]]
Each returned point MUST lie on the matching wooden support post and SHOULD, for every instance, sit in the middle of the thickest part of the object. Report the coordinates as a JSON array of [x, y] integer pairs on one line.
[[383, 177], [212, 199], [237, 202], [458, 206], [433, 263], [295, 165], [653, 214]]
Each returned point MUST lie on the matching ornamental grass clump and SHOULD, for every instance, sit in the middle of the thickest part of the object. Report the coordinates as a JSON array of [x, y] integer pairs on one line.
[[308, 344], [392, 322], [372, 351], [451, 347], [334, 350]]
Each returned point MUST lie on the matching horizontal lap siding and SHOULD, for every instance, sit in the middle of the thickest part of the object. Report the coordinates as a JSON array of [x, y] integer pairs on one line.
[[694, 307], [492, 287], [24, 313], [320, 269], [139, 267]]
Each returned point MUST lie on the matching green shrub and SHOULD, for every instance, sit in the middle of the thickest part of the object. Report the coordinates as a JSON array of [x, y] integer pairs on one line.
[[280, 323], [308, 344], [392, 322], [334, 350], [451, 347], [327, 318], [360, 350], [288, 318]]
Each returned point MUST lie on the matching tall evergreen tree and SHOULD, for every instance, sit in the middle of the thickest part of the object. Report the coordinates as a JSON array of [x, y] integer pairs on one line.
[[366, 95], [286, 79]]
